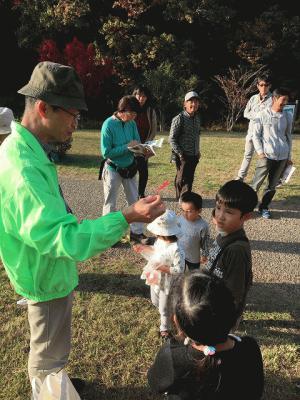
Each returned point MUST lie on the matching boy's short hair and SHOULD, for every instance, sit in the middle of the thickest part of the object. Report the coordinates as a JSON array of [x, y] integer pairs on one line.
[[237, 194], [192, 197], [280, 91]]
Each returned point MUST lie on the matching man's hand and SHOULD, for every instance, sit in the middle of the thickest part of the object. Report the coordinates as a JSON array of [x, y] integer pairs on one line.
[[132, 143], [203, 260], [289, 162], [144, 210], [261, 155]]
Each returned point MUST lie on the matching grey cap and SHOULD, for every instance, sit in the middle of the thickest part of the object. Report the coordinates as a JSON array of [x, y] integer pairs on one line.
[[56, 84], [191, 95], [6, 118]]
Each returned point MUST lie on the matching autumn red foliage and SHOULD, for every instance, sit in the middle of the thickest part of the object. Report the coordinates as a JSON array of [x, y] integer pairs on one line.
[[92, 68]]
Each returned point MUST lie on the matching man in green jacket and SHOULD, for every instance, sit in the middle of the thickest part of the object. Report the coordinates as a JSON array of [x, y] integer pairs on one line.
[[41, 240]]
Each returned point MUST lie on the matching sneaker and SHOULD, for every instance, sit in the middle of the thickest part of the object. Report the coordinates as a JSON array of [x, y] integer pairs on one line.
[[265, 213], [22, 302], [140, 238]]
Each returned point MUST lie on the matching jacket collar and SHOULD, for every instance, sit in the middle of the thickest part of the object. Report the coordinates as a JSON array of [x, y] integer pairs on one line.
[[31, 141]]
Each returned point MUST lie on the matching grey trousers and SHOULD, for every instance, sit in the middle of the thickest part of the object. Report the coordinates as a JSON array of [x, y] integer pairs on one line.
[[50, 335], [248, 154], [273, 170], [111, 185], [160, 301]]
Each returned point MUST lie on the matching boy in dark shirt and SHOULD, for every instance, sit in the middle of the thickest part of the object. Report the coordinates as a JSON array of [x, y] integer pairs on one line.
[[230, 256]]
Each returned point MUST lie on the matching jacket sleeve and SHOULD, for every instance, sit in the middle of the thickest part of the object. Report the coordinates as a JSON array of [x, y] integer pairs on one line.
[[37, 216], [161, 373], [247, 111], [289, 133], [175, 132], [236, 273], [153, 124], [108, 149], [257, 136], [136, 135], [250, 112]]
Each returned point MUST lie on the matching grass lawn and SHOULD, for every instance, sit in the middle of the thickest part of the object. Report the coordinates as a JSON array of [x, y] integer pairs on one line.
[[114, 323]]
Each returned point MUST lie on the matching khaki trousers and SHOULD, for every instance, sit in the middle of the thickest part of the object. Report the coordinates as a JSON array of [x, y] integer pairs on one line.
[[50, 335]]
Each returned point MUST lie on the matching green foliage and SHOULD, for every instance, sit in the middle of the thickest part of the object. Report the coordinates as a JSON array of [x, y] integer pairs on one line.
[[199, 39]]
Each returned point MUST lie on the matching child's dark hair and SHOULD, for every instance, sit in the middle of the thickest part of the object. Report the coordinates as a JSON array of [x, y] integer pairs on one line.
[[142, 89], [237, 194], [192, 197], [129, 103], [205, 313], [280, 91], [204, 307]]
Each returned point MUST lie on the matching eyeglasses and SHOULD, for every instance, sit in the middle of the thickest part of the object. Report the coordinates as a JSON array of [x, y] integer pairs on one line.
[[263, 84], [75, 116]]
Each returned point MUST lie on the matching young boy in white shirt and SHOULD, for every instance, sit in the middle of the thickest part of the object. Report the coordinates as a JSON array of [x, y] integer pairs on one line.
[[195, 235]]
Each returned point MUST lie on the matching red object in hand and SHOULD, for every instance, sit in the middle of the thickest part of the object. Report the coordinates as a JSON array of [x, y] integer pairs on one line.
[[162, 186]]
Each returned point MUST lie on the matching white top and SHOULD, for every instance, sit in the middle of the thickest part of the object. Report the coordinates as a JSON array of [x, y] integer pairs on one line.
[[195, 239], [170, 254], [254, 106], [272, 134]]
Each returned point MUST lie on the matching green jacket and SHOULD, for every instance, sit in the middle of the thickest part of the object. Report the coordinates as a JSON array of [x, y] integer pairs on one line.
[[40, 242]]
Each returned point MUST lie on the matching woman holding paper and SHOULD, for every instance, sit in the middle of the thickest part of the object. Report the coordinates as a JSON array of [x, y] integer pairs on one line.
[[146, 121]]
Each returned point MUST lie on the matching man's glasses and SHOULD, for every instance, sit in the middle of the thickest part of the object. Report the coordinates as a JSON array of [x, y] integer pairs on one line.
[[263, 84], [75, 116]]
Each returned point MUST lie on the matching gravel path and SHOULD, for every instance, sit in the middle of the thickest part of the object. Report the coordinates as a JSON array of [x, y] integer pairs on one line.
[[274, 242]]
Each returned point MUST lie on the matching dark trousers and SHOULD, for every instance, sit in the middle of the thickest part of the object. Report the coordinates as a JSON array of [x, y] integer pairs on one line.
[[142, 165], [189, 266], [185, 174], [272, 169]]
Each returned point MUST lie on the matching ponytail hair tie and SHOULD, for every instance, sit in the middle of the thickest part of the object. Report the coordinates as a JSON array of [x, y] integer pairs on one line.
[[209, 350]]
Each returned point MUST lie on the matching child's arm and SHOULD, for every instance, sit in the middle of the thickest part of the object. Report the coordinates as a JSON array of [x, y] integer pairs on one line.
[[143, 248], [163, 268]]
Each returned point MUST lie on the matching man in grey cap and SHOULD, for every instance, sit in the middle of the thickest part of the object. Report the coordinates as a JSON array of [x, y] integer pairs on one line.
[[41, 240], [6, 118], [185, 140]]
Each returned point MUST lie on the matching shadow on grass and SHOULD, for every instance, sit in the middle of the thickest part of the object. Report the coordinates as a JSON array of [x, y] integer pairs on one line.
[[80, 160], [116, 284], [95, 391], [276, 247], [275, 297], [276, 387], [289, 208]]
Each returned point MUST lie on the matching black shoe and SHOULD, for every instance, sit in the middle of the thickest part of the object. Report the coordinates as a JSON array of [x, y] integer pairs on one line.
[[142, 196], [140, 238], [79, 384]]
